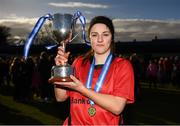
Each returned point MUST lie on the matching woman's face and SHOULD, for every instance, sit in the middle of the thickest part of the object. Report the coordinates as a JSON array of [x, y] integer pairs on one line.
[[100, 37]]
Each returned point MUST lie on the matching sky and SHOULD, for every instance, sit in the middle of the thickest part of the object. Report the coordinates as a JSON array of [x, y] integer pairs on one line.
[[133, 19]]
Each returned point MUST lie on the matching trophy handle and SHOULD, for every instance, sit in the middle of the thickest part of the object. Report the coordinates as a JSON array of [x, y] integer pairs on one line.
[[34, 32], [82, 19]]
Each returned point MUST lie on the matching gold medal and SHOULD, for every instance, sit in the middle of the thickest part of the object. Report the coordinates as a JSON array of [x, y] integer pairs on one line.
[[91, 111]]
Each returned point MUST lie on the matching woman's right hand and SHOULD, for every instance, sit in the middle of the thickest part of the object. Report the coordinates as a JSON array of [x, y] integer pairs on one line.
[[62, 56]]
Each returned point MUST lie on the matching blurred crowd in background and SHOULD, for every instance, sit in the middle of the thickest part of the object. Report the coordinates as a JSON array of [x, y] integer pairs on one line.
[[29, 77]]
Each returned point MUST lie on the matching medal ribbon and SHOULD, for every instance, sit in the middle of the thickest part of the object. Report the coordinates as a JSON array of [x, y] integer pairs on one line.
[[102, 75]]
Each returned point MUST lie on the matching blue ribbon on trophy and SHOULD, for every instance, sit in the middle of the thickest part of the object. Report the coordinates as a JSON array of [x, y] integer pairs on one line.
[[63, 26], [34, 32]]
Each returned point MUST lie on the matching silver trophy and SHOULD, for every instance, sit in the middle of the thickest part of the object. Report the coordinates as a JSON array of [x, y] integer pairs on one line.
[[62, 30], [63, 26]]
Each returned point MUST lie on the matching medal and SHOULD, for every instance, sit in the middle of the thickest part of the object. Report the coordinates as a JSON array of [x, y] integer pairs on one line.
[[99, 83], [91, 111]]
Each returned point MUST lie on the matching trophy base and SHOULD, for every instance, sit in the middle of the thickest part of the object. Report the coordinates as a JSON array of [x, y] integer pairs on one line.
[[59, 79], [61, 74]]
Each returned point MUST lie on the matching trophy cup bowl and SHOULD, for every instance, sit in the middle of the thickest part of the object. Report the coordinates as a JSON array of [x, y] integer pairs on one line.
[[62, 30]]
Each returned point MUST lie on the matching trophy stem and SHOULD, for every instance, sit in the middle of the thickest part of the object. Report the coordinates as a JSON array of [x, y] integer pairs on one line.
[[64, 48]]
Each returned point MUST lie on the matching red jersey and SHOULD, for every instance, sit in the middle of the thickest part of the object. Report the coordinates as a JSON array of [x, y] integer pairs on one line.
[[119, 81]]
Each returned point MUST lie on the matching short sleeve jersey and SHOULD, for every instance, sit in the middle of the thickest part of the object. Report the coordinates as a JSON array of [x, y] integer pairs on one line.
[[119, 82]]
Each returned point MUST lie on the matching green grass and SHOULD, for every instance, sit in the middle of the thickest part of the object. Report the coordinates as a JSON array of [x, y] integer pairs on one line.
[[31, 112]]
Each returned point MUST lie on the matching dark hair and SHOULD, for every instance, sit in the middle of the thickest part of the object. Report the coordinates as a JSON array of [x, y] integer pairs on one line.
[[103, 20]]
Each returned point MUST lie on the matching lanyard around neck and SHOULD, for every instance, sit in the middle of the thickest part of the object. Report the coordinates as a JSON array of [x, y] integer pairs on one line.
[[102, 75]]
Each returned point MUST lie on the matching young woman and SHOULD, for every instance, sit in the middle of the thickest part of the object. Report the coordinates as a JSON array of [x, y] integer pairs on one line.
[[102, 84]]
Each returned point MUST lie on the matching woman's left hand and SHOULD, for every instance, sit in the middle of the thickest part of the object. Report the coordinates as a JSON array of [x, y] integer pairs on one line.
[[75, 84]]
